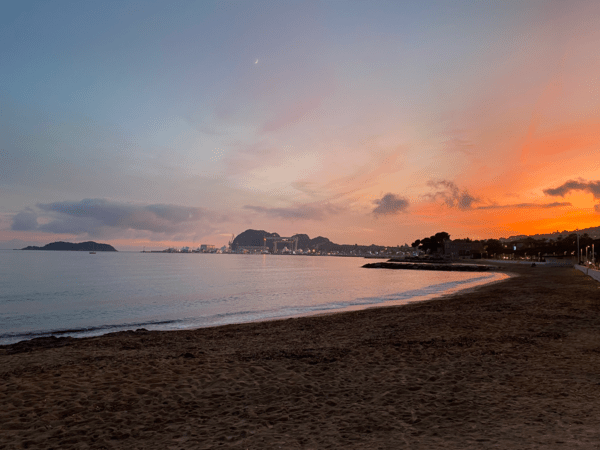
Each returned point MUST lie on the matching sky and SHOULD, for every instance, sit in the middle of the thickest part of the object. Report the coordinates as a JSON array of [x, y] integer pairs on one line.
[[179, 123]]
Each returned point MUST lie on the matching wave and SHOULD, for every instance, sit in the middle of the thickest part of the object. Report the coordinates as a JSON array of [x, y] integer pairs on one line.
[[6, 338]]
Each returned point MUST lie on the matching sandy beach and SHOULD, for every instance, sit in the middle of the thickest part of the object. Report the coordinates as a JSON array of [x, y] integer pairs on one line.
[[512, 365]]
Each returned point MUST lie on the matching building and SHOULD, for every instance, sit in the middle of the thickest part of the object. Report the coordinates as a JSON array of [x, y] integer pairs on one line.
[[463, 249], [251, 249], [285, 242]]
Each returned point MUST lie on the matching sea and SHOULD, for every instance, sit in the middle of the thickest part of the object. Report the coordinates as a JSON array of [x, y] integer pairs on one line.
[[44, 293]]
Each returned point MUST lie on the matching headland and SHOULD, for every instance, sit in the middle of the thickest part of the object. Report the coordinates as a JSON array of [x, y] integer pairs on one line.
[[88, 246]]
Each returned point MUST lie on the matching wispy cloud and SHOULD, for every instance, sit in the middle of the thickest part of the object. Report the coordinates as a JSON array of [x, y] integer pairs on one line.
[[527, 205], [390, 204], [451, 195], [97, 216], [458, 145], [318, 211], [382, 164], [293, 115], [454, 197]]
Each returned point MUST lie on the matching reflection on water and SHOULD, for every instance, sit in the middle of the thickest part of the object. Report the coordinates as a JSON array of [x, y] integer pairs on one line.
[[82, 294]]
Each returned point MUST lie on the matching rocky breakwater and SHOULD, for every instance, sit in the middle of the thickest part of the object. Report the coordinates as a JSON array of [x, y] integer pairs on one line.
[[429, 266]]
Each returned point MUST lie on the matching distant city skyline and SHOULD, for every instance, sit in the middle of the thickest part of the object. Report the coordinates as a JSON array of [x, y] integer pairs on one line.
[[164, 124]]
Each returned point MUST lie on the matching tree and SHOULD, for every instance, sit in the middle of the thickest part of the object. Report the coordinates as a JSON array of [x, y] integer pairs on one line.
[[431, 244], [428, 245], [494, 246], [441, 237]]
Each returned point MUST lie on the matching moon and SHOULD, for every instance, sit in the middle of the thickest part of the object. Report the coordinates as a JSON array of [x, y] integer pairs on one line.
[[256, 62]]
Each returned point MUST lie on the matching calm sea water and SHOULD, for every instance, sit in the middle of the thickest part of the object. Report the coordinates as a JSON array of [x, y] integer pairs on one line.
[[79, 294]]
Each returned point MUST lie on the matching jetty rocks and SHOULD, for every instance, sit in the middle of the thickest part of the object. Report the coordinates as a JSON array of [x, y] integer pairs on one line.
[[429, 266]]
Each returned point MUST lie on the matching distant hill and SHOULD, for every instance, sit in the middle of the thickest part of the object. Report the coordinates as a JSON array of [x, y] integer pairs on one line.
[[252, 238], [593, 232], [88, 246], [306, 243], [256, 238]]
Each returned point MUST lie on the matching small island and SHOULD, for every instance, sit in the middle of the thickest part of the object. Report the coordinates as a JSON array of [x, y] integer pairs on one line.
[[88, 246]]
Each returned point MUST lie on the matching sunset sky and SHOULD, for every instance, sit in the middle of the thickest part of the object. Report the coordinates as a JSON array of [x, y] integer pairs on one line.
[[180, 123]]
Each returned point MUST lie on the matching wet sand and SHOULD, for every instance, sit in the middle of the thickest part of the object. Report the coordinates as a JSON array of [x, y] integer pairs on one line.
[[513, 365]]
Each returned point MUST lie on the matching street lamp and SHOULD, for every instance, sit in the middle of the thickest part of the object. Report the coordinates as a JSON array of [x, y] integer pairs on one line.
[[578, 252], [587, 255]]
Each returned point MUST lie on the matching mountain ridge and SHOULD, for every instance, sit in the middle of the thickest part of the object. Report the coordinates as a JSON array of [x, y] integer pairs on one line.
[[593, 232], [256, 238]]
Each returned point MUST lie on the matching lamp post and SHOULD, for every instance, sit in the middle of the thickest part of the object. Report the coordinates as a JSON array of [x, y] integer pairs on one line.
[[587, 255], [578, 252]]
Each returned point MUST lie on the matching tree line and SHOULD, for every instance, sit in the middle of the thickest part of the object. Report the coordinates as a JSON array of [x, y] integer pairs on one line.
[[528, 246]]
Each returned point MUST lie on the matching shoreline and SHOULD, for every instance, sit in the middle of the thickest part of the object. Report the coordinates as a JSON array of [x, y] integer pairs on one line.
[[389, 304], [512, 364], [102, 330]]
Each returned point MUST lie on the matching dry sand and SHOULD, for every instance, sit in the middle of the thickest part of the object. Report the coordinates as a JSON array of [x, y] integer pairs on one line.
[[511, 365]]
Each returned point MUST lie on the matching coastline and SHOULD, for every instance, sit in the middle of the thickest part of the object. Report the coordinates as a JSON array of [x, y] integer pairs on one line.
[[333, 304], [512, 364]]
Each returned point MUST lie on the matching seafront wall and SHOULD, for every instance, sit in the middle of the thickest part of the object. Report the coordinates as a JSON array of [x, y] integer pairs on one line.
[[595, 274], [566, 263], [511, 261]]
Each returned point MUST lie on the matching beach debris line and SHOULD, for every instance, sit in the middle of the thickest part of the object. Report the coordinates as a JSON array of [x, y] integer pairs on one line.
[[429, 266]]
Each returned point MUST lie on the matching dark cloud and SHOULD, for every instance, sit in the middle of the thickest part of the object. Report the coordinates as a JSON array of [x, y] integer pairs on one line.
[[79, 225], [592, 187], [465, 200], [527, 205], [390, 204], [451, 195], [92, 216], [26, 220], [302, 212]]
